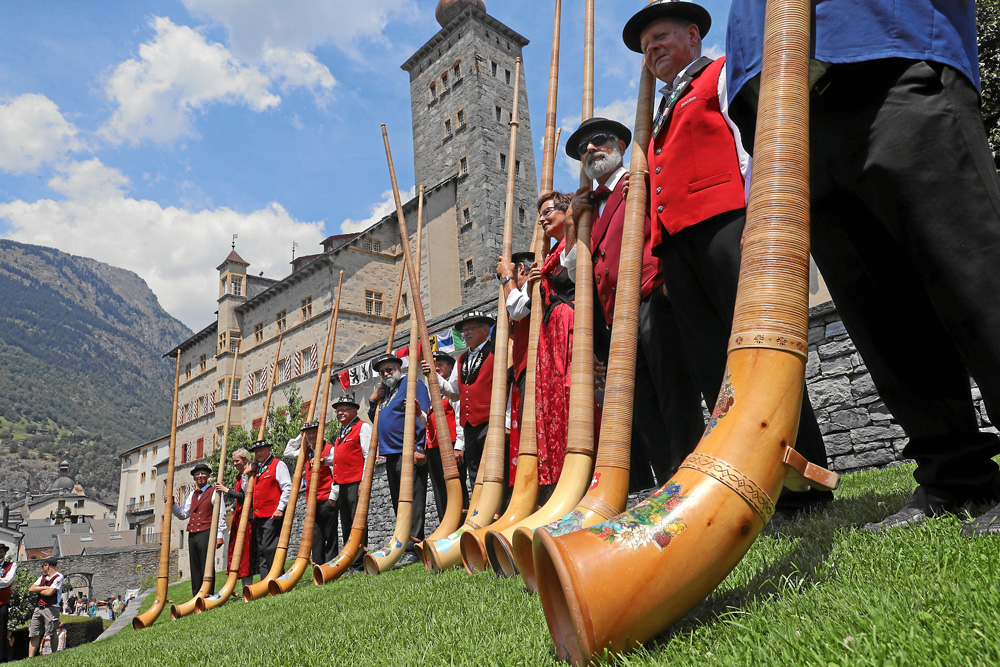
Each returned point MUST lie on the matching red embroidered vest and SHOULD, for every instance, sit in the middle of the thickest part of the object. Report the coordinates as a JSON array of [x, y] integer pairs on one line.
[[200, 517], [325, 476], [695, 171], [5, 592], [449, 411], [348, 459], [475, 397], [266, 492]]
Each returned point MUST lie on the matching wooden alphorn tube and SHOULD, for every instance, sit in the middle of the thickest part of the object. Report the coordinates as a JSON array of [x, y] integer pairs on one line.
[[146, 619], [380, 561], [327, 572], [191, 606], [623, 581], [608, 491], [289, 579], [260, 589], [579, 462], [213, 601], [384, 559], [471, 542]]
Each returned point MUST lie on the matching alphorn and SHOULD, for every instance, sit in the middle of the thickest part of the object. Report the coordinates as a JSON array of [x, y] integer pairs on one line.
[[453, 513], [386, 558], [579, 462], [524, 497], [622, 581], [213, 601], [327, 572], [260, 589], [163, 572], [493, 451], [208, 582], [608, 491], [289, 579]]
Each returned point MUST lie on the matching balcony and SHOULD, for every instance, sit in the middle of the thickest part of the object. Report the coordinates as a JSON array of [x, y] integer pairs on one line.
[[136, 508]]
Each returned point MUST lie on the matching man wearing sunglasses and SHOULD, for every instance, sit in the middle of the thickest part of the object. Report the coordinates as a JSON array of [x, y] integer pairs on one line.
[[666, 415]]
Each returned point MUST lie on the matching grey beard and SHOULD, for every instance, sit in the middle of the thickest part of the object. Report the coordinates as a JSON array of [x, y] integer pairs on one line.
[[391, 381], [603, 166]]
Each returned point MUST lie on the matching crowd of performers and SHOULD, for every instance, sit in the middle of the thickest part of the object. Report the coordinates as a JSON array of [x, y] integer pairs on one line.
[[905, 229]]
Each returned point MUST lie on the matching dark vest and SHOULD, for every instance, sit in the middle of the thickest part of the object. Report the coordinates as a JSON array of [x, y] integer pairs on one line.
[[200, 517], [48, 600]]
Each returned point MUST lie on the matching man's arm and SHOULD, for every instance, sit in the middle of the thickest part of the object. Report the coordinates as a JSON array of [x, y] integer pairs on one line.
[[366, 438], [284, 481], [221, 526], [8, 579], [518, 303], [185, 511]]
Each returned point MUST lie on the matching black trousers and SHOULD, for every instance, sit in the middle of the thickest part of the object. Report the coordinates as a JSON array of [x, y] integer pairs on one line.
[[197, 555], [4, 645], [436, 473], [906, 229], [702, 265], [394, 472], [265, 537], [324, 546], [347, 508]]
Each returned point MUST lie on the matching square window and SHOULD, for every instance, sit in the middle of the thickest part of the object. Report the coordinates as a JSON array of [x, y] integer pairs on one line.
[[236, 286], [373, 302], [376, 246]]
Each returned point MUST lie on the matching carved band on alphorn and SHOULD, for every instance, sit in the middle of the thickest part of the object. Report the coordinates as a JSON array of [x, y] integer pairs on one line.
[[729, 475]]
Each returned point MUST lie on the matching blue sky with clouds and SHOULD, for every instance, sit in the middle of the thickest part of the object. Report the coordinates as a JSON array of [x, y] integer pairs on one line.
[[145, 134]]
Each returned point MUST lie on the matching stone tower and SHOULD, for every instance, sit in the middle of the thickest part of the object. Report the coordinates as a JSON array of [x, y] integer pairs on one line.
[[462, 94]]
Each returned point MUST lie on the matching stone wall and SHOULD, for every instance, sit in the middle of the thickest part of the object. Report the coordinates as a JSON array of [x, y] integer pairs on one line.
[[858, 429], [112, 573]]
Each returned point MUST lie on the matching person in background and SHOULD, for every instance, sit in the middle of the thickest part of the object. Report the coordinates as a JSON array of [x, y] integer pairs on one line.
[[45, 617], [8, 570], [348, 455]]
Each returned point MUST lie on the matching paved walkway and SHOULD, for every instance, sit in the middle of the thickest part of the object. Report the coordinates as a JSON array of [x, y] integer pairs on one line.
[[125, 620]]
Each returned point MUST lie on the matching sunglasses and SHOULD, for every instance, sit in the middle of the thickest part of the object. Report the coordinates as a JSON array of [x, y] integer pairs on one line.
[[598, 139]]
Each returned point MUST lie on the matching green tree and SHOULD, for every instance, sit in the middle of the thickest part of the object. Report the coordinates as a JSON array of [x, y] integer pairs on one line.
[[22, 602], [988, 19]]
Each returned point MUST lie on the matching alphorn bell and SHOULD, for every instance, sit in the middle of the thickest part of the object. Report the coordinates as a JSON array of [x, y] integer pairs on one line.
[[179, 610], [260, 589], [622, 581], [579, 462], [386, 558], [289, 579], [213, 601], [327, 572], [163, 572], [608, 492]]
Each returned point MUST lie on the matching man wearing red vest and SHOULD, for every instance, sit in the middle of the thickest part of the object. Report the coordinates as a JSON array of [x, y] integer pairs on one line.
[[444, 365], [698, 171], [8, 570], [475, 386], [349, 453], [271, 489], [197, 509], [666, 410], [324, 544], [45, 617]]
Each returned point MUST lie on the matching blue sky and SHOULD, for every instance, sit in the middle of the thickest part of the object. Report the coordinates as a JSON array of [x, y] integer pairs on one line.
[[145, 134]]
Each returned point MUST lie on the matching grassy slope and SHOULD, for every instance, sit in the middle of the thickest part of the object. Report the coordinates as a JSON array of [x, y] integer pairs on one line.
[[819, 594]]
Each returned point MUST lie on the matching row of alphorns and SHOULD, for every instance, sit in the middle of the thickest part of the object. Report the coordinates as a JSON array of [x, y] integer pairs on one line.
[[609, 579]]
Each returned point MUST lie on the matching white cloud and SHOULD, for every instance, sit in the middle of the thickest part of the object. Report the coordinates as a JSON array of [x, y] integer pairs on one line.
[[257, 25], [33, 133], [177, 74], [376, 211], [299, 69], [175, 250], [715, 51]]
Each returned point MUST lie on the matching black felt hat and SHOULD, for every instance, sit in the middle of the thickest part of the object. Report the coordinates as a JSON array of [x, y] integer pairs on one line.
[[525, 256], [441, 354], [592, 126], [476, 316], [260, 443], [346, 399], [198, 468], [632, 34], [382, 358]]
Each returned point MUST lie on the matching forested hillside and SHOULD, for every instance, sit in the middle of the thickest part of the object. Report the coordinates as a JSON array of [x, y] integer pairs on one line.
[[81, 373]]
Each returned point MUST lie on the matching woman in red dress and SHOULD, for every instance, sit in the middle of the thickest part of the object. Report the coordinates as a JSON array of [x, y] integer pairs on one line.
[[241, 461], [555, 345]]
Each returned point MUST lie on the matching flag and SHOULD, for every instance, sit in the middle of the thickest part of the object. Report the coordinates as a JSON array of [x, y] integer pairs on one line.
[[345, 380]]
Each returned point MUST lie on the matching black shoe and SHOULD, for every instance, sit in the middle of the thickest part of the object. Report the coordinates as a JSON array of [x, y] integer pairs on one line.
[[987, 524], [409, 558], [922, 505]]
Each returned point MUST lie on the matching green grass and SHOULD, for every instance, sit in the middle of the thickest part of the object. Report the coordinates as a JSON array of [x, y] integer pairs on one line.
[[819, 593]]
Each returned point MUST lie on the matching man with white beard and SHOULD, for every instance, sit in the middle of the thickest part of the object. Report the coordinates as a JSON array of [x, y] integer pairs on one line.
[[666, 416]]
